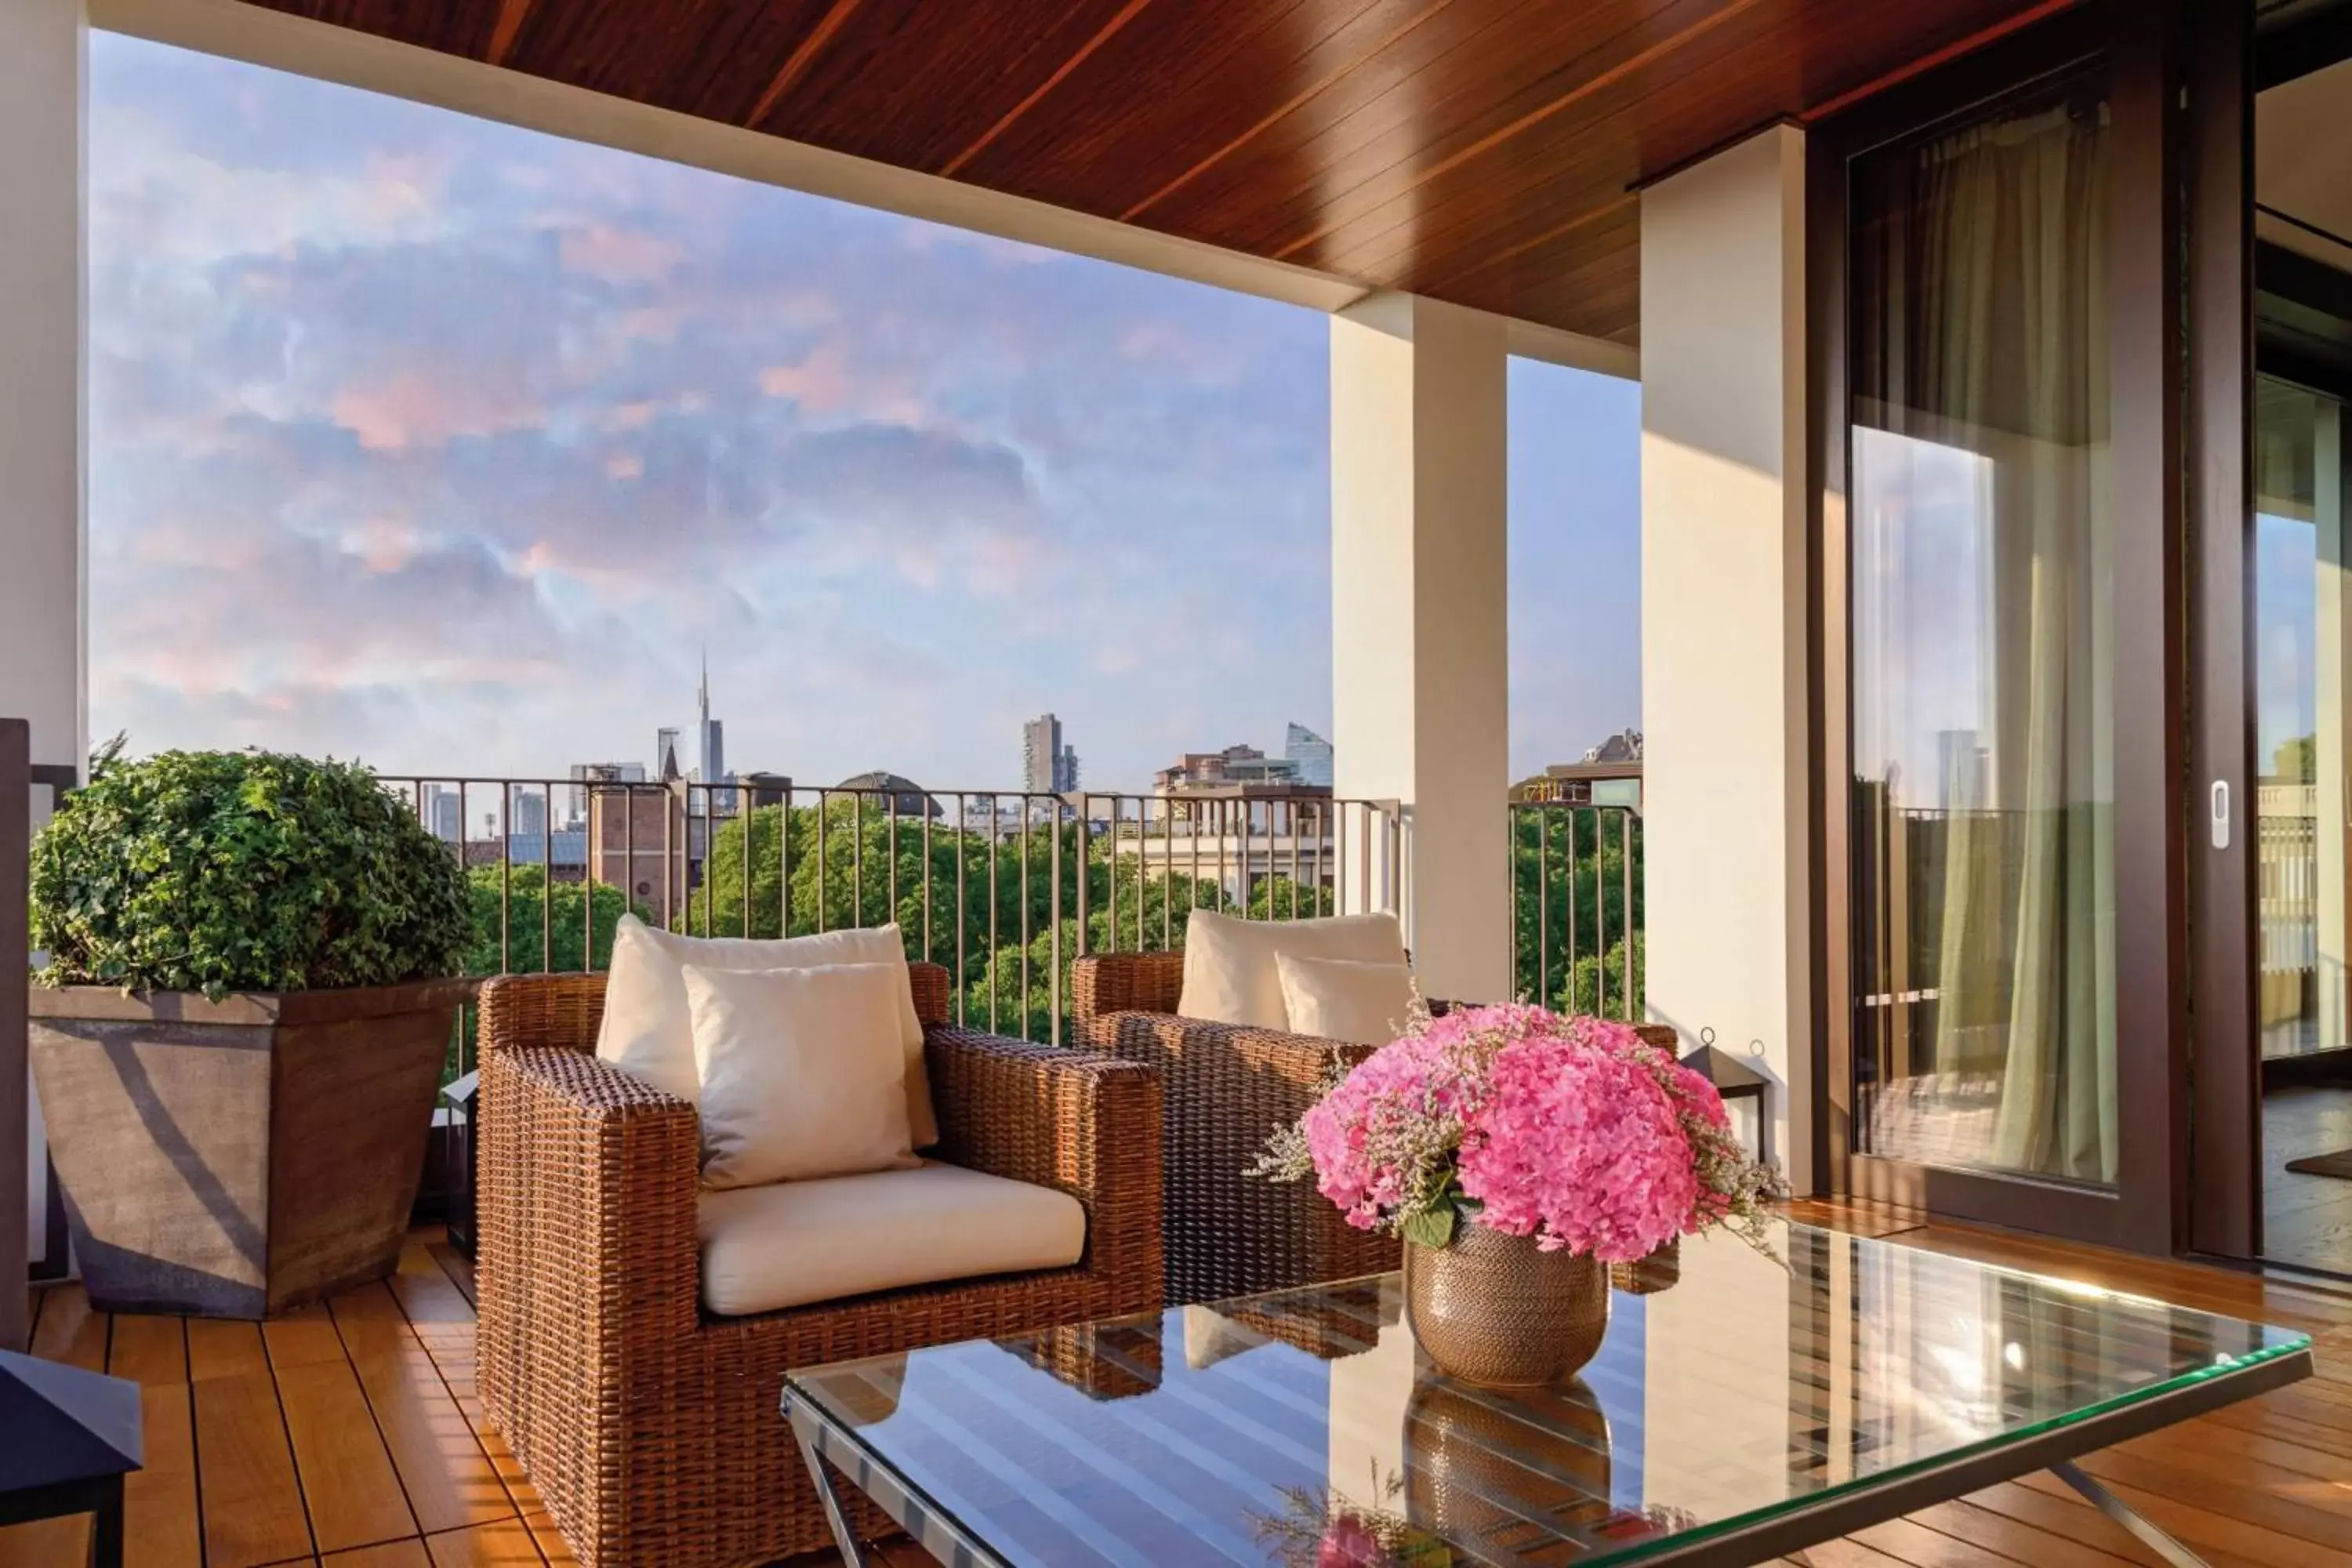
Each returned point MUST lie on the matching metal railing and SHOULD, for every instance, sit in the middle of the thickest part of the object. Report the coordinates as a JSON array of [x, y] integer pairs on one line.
[[1003, 889], [1576, 907]]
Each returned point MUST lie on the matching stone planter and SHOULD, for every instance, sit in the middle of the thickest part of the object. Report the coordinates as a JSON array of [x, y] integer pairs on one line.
[[238, 1158]]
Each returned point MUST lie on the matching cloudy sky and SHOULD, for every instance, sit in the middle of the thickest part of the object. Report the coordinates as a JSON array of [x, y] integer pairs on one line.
[[449, 445]]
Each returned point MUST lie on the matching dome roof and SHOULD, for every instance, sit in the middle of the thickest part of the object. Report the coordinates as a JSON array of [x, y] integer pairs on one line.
[[912, 799]]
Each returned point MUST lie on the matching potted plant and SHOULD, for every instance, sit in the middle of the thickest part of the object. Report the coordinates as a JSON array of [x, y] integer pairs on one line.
[[239, 1033], [1519, 1154]]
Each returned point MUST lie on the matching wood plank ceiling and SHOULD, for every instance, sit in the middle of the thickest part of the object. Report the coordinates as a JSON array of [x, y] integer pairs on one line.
[[1477, 151]]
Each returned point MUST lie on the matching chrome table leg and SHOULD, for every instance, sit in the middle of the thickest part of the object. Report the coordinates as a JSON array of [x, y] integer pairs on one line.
[[853, 1553], [2130, 1518]]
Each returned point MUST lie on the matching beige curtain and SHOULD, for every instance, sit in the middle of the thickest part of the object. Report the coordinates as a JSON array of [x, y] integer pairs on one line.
[[2006, 356]]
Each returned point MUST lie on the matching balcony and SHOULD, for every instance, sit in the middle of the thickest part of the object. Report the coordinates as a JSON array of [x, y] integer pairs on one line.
[[1943, 317]]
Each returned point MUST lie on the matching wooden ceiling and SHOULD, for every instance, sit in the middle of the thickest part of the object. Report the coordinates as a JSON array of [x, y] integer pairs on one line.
[[1477, 151]]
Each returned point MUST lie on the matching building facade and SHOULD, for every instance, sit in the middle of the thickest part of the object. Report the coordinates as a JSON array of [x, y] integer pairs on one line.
[[1309, 756], [1049, 765]]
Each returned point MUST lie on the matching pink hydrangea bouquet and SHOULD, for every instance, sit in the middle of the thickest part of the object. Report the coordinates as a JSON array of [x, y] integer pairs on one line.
[[1573, 1132]]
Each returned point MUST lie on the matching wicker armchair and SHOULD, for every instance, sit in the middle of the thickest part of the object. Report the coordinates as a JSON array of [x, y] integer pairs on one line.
[[1226, 1087], [654, 1431]]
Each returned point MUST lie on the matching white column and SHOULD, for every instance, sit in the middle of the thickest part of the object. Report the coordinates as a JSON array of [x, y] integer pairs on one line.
[[42, 589], [42, 593], [1419, 642], [1724, 696]]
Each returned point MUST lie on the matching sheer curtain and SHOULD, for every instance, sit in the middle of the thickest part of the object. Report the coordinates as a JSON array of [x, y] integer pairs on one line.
[[1982, 330]]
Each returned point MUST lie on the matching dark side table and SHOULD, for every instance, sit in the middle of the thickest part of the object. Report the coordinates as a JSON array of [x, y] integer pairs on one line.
[[67, 1439]]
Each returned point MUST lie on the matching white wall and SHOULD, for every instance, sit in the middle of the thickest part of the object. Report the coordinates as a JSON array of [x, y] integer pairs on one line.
[[1420, 655], [1724, 700], [42, 588]]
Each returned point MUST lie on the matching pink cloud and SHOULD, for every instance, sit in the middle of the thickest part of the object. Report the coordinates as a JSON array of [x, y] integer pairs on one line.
[[423, 408], [823, 384], [619, 254]]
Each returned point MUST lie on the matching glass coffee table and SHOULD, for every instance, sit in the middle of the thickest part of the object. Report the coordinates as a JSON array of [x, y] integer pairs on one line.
[[1756, 1407]]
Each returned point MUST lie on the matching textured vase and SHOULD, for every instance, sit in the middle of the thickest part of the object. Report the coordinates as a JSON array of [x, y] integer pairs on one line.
[[1492, 1310]]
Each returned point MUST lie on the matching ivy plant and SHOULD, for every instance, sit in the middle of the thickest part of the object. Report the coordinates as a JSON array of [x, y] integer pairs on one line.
[[221, 871]]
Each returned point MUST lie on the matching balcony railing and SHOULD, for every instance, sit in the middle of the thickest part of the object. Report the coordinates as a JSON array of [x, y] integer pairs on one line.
[[1003, 889], [1576, 907]]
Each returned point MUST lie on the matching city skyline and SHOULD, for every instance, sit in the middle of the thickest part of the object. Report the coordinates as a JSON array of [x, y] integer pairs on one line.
[[449, 447]]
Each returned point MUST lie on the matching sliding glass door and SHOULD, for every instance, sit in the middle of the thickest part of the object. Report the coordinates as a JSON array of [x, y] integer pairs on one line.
[[1983, 645], [1999, 557]]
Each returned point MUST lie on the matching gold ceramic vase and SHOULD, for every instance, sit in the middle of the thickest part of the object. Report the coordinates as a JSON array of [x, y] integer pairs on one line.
[[1493, 1311]]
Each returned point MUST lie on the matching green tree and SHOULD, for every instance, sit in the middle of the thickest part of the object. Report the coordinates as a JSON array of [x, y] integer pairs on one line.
[[1599, 983], [521, 928], [1570, 889]]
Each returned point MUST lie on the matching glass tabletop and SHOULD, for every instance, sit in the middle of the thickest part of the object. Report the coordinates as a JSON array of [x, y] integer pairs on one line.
[[1304, 1426]]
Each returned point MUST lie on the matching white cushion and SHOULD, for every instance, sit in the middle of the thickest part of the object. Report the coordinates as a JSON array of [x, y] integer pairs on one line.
[[1229, 971], [647, 1031], [802, 1073], [797, 1242], [1364, 1004]]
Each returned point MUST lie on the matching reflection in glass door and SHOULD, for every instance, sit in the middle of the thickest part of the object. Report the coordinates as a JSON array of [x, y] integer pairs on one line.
[[2301, 658], [1982, 593]]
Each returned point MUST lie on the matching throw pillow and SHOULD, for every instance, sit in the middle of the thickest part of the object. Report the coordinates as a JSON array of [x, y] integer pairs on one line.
[[802, 1073], [1346, 998], [1229, 970], [647, 1031]]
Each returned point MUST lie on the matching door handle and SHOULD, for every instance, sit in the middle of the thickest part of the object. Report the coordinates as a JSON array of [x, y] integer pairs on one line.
[[2221, 797]]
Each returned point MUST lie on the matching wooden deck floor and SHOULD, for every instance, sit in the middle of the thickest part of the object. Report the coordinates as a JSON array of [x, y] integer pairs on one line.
[[349, 1435]]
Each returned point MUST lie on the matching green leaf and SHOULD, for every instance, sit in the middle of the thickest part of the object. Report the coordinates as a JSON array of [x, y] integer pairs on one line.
[[1432, 1228]]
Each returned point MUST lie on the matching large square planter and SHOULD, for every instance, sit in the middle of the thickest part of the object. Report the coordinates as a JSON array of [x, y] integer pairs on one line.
[[238, 1158]]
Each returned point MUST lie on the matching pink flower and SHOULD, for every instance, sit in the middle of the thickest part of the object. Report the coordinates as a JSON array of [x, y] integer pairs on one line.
[[1574, 1132], [1350, 1542]]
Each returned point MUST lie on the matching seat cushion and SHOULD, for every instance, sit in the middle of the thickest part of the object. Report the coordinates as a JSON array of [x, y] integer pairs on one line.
[[796, 1242], [1229, 968], [648, 1031]]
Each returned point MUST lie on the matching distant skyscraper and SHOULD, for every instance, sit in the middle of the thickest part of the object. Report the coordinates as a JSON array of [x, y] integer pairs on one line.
[[442, 810], [1048, 767], [667, 763], [710, 739], [526, 810], [1311, 753]]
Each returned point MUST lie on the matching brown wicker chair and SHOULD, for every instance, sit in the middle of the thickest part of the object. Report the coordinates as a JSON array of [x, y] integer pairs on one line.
[[654, 1431], [1226, 1087]]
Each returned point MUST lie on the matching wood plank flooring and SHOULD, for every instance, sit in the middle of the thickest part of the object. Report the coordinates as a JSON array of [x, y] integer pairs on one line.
[[2307, 1219], [350, 1437], [346, 1435]]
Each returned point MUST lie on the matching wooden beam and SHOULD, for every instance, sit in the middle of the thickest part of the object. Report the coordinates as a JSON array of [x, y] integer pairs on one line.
[[1107, 32], [1283, 111], [1534, 117], [797, 64], [511, 14]]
